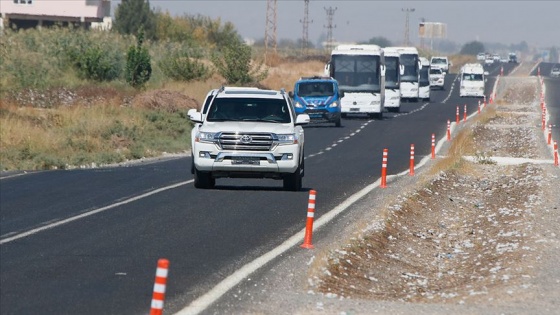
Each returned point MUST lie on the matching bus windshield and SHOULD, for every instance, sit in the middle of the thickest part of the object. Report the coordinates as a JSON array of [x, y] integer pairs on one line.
[[357, 73], [392, 72], [410, 63]]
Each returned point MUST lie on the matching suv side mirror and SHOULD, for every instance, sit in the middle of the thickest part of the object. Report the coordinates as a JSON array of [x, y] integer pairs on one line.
[[196, 117]]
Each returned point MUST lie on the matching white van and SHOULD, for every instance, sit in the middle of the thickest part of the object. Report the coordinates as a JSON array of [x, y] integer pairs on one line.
[[472, 80]]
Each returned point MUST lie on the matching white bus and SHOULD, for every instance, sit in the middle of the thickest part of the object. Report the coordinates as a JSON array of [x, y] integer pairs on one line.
[[410, 79], [360, 72], [424, 83], [393, 71], [472, 80]]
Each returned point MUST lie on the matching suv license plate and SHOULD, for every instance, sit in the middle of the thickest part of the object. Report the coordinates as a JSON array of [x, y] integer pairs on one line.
[[354, 109], [245, 161]]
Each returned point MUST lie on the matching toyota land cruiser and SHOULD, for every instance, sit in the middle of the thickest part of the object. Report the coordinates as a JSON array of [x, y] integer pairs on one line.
[[249, 133]]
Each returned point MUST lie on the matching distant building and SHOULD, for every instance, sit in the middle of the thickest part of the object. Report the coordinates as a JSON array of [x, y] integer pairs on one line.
[[38, 13]]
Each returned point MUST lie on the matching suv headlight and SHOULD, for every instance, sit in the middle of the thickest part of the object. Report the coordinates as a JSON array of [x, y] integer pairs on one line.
[[209, 137], [286, 138]]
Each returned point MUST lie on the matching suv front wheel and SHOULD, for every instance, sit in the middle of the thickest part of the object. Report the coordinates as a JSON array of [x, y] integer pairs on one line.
[[293, 182], [203, 180]]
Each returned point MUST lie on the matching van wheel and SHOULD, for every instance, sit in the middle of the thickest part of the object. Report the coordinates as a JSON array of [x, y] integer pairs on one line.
[[203, 180], [337, 123], [293, 182]]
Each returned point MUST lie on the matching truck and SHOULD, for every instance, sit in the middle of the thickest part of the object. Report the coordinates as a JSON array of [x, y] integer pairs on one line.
[[472, 79], [424, 82], [360, 72], [318, 97], [410, 80], [393, 71], [249, 133]]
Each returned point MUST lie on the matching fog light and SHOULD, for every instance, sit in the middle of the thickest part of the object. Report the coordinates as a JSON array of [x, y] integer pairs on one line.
[[204, 154], [287, 156]]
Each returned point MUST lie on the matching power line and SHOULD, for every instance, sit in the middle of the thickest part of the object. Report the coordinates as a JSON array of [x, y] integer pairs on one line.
[[406, 26], [270, 30], [330, 26], [305, 34]]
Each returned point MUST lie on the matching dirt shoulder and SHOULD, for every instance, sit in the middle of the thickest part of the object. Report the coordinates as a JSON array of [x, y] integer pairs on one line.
[[462, 236]]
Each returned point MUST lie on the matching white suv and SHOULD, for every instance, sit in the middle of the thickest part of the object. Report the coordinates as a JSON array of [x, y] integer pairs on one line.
[[437, 78], [440, 62], [249, 133]]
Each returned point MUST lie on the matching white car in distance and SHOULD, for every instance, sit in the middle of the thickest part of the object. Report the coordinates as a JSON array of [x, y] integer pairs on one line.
[[437, 78]]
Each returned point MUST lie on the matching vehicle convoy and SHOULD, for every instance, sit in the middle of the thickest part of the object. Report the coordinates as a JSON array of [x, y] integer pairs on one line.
[[472, 79], [424, 83], [319, 98], [410, 79], [441, 62], [360, 72], [437, 78], [393, 72], [249, 133]]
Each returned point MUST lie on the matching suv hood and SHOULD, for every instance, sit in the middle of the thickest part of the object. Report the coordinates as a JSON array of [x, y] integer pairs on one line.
[[247, 126]]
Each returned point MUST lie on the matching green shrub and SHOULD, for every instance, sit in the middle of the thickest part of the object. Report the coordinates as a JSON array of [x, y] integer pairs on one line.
[[180, 66], [99, 65], [138, 64], [234, 64]]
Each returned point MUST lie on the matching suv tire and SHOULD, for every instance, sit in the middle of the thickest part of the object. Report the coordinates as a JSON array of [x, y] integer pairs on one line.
[[293, 182], [203, 180]]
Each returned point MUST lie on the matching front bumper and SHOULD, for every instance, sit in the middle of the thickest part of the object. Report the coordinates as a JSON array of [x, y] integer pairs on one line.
[[283, 159]]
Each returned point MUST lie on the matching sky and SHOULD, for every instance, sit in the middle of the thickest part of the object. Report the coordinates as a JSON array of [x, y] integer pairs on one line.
[[506, 22]]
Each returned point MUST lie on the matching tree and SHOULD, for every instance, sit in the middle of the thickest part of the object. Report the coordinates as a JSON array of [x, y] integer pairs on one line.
[[234, 64], [472, 48], [138, 64], [133, 15], [379, 41]]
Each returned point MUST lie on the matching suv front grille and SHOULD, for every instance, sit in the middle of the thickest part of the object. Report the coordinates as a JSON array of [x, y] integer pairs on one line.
[[246, 141]]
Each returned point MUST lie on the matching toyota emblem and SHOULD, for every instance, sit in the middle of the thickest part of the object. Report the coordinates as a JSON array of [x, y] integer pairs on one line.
[[246, 139]]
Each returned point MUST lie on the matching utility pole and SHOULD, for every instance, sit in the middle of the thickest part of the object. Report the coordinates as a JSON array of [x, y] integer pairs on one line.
[[270, 30], [406, 26], [330, 26], [305, 34]]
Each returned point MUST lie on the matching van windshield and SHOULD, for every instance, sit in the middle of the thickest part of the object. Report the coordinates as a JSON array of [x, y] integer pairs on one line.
[[472, 77], [306, 89]]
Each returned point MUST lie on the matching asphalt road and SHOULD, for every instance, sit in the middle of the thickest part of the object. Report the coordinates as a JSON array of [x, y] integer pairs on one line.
[[87, 241], [552, 99]]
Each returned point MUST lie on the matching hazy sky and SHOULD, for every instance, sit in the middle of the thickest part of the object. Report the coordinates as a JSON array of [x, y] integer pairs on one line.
[[507, 22]]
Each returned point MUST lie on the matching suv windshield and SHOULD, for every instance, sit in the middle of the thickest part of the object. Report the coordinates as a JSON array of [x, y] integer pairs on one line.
[[249, 109], [435, 71]]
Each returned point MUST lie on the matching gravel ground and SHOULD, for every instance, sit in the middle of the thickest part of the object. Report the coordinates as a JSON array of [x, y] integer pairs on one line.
[[472, 237]]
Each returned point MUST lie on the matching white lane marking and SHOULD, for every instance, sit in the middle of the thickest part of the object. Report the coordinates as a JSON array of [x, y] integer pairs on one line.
[[203, 302], [225, 285], [89, 213]]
